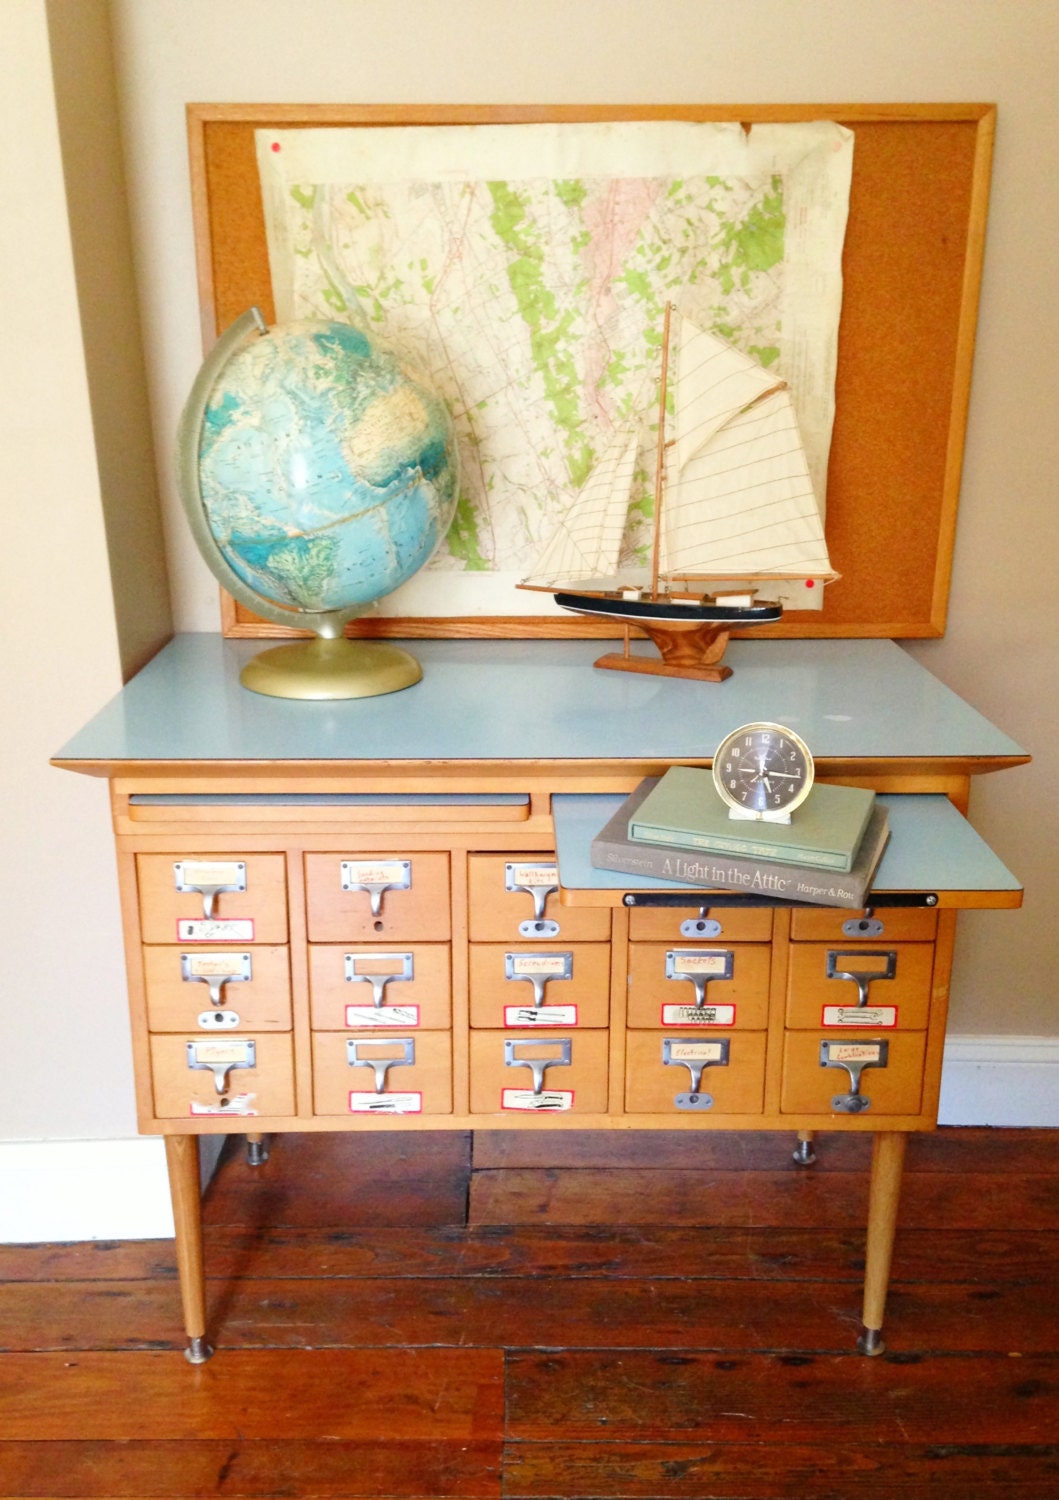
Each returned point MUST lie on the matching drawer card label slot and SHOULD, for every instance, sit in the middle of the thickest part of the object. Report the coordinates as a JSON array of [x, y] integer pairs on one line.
[[215, 970], [220, 1058], [232, 930], [540, 1015], [379, 970], [538, 969], [209, 878], [698, 1015], [854, 1057], [696, 1056], [538, 881], [869, 967], [376, 877], [856, 1015], [699, 966]]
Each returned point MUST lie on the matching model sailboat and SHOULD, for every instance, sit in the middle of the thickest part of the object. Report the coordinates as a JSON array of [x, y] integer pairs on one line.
[[736, 512]]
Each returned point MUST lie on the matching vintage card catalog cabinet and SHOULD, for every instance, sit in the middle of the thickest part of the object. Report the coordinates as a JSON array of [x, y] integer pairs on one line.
[[383, 916]]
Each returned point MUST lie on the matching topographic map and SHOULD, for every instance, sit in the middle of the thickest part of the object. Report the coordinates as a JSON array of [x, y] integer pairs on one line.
[[524, 270]]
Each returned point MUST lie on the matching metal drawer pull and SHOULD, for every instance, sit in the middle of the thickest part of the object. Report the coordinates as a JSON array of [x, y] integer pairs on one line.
[[537, 1065], [538, 882], [379, 981], [215, 970], [381, 1065], [696, 1056], [538, 969], [854, 1057], [701, 926], [699, 966], [376, 878], [860, 977], [219, 1058], [210, 878]]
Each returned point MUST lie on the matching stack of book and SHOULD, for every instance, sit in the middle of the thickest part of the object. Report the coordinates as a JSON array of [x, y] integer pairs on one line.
[[675, 827]]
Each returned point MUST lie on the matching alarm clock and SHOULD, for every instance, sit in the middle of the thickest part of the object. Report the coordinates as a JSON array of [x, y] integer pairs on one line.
[[763, 772]]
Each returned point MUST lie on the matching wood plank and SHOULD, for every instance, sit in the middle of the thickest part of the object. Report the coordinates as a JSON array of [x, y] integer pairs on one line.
[[394, 1179], [593, 1470], [526, 1312], [332, 1469], [570, 1397], [835, 1199], [436, 1394], [617, 1252]]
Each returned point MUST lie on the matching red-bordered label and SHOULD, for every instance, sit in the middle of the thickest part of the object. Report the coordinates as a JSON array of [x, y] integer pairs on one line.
[[881, 1017], [698, 1015]]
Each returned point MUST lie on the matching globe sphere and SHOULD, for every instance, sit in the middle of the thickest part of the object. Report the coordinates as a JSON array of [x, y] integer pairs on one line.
[[327, 467]]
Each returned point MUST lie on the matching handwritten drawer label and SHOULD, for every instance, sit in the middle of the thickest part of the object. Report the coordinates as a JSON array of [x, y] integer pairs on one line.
[[386, 1104], [540, 1015], [716, 965], [854, 1052], [698, 1015], [526, 877], [239, 930], [215, 965], [196, 875], [555, 964], [550, 1101], [709, 1052], [394, 873], [860, 1015]]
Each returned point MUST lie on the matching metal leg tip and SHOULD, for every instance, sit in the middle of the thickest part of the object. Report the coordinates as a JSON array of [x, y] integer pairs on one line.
[[256, 1153], [871, 1341], [804, 1154], [198, 1351]]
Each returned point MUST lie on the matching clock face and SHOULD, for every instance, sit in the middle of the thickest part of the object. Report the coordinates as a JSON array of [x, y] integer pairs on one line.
[[763, 769]]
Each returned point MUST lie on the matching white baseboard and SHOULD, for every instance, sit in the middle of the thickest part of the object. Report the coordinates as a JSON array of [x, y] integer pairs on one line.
[[52, 1191]]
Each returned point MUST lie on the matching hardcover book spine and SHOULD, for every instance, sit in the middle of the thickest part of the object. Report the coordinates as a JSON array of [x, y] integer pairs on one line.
[[757, 849], [728, 872]]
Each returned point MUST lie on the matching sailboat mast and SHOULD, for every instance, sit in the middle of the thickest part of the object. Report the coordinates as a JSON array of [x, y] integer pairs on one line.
[[661, 459]]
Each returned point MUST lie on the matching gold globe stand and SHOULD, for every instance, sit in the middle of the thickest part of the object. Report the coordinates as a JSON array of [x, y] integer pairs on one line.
[[329, 667], [336, 668]]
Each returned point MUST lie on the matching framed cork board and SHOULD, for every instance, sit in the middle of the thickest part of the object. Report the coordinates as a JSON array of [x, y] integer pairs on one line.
[[911, 271]]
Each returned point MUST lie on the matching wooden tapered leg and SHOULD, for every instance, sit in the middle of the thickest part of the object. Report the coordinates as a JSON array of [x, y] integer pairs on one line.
[[182, 1159], [887, 1162]]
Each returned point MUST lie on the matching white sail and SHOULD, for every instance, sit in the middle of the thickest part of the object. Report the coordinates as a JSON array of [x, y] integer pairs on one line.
[[712, 382], [587, 540]]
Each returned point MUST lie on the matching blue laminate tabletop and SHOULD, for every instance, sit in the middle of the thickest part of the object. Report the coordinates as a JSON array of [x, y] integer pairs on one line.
[[485, 700]]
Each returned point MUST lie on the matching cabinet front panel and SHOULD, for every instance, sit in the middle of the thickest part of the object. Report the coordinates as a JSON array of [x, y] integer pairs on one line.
[[179, 982], [809, 1087], [573, 980], [887, 924], [510, 902], [414, 984], [723, 924], [257, 914], [418, 1082], [409, 891], [579, 1086], [733, 1075], [219, 1082], [895, 979], [664, 980]]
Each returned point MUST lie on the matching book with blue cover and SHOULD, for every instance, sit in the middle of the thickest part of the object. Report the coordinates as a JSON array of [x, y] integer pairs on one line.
[[685, 811]]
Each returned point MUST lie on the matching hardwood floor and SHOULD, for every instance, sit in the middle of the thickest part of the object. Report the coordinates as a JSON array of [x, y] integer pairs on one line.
[[523, 1315]]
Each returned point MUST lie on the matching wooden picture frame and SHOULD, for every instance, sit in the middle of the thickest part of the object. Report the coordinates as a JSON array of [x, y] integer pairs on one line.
[[911, 271]]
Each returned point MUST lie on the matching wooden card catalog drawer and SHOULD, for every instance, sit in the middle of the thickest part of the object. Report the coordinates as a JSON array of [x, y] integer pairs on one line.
[[208, 988], [827, 985], [514, 897], [222, 1075], [412, 984], [668, 981], [382, 1074], [514, 1074], [570, 982], [890, 1067], [402, 898], [888, 924], [692, 1074], [212, 898], [726, 924]]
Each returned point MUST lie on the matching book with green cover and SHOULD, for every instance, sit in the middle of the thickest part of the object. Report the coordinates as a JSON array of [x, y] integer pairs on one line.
[[684, 810]]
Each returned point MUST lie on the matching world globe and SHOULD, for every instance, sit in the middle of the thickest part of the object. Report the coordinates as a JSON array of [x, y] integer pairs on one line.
[[318, 472]]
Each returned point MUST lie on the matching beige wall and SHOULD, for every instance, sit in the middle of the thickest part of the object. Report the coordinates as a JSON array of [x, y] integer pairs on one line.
[[1001, 648]]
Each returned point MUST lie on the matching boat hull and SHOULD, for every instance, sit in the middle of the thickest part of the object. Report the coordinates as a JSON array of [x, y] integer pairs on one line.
[[664, 612]]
